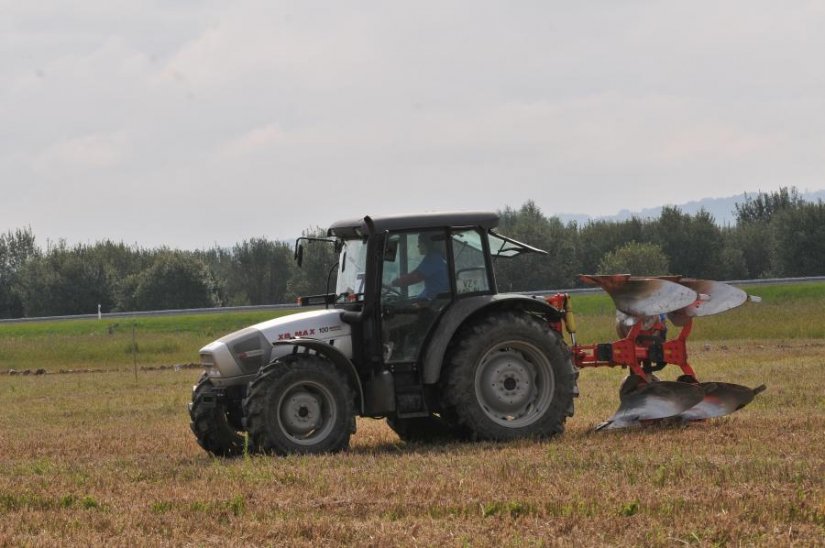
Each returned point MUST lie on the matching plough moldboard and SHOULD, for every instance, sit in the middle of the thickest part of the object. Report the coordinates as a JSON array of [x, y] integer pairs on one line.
[[644, 306]]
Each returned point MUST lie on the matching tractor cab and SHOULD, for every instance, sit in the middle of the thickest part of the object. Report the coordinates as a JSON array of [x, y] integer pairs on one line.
[[400, 274]]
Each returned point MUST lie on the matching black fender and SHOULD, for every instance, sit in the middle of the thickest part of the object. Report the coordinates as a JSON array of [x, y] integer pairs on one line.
[[335, 356], [460, 312]]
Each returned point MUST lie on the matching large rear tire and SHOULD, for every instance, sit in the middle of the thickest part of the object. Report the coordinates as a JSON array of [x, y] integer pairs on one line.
[[300, 404], [215, 421], [510, 377]]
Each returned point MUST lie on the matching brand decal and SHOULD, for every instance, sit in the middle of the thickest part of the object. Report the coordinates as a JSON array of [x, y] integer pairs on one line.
[[308, 332], [296, 334]]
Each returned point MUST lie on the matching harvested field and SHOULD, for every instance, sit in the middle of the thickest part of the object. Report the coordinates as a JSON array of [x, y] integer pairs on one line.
[[90, 459]]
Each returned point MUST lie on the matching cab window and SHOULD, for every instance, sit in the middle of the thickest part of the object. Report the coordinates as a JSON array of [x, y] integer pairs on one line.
[[352, 266], [471, 275]]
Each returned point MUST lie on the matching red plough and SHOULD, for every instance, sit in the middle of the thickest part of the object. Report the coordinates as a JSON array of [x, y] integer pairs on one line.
[[644, 305]]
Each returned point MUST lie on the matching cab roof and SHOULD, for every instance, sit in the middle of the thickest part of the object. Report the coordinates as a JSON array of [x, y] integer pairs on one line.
[[363, 226]]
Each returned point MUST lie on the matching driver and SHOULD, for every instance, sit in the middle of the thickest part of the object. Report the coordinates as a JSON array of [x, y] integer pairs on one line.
[[432, 270]]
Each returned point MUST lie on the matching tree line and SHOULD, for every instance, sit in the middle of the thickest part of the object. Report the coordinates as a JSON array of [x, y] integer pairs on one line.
[[776, 234], [63, 279]]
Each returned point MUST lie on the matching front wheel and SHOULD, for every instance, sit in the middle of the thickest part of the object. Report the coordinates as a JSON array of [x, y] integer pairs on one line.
[[511, 377], [216, 421], [300, 404]]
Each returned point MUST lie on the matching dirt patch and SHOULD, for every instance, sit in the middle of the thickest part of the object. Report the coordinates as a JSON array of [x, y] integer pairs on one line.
[[175, 367]]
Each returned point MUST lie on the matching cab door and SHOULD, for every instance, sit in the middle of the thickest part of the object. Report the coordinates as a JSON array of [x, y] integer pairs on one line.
[[471, 268], [416, 284]]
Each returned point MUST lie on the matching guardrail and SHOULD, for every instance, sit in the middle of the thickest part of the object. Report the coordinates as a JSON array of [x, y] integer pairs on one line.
[[288, 306], [105, 315]]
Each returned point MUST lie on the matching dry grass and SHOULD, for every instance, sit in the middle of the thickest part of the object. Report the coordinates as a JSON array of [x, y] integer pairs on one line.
[[106, 459]]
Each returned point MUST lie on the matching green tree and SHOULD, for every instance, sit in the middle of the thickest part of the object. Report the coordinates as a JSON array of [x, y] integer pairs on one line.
[[693, 244], [733, 265], [755, 242], [762, 207], [16, 248], [639, 259], [754, 235], [597, 238], [531, 272], [799, 236], [120, 263], [65, 281], [220, 263], [174, 280], [261, 270]]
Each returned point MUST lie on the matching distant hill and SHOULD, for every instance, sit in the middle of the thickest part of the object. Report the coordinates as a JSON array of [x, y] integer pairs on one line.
[[722, 209]]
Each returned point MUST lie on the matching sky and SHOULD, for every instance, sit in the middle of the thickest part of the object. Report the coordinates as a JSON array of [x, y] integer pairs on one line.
[[192, 124]]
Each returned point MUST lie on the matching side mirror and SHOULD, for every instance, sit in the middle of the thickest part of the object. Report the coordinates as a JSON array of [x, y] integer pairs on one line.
[[299, 254], [390, 250]]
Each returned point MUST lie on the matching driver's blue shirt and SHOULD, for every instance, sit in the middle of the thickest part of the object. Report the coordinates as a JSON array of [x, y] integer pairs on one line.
[[434, 269]]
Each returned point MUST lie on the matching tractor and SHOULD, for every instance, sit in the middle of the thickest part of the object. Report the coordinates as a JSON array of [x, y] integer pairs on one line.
[[416, 332]]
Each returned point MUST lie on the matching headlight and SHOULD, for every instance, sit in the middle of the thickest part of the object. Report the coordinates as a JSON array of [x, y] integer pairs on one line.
[[208, 364]]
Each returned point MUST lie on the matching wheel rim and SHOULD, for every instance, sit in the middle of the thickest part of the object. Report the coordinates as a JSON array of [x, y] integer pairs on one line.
[[514, 383], [306, 412]]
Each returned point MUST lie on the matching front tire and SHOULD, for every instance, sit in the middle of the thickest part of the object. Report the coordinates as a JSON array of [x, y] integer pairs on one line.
[[510, 377], [300, 404], [215, 421]]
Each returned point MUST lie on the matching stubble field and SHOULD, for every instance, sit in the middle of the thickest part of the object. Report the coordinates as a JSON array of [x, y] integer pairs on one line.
[[107, 457]]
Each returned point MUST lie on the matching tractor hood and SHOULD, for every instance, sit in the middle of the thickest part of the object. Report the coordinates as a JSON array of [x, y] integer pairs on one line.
[[244, 352]]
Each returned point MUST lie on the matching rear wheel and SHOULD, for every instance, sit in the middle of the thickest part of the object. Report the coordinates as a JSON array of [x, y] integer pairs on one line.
[[216, 420], [511, 377], [300, 404]]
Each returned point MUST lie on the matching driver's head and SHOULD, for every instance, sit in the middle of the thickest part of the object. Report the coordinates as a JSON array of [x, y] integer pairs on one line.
[[427, 243]]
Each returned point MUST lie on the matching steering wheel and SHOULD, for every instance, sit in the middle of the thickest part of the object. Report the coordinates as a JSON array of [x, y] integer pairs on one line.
[[391, 290]]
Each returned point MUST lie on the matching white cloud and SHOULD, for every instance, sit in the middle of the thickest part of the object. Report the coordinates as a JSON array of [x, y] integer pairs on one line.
[[88, 152], [261, 42], [256, 140]]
